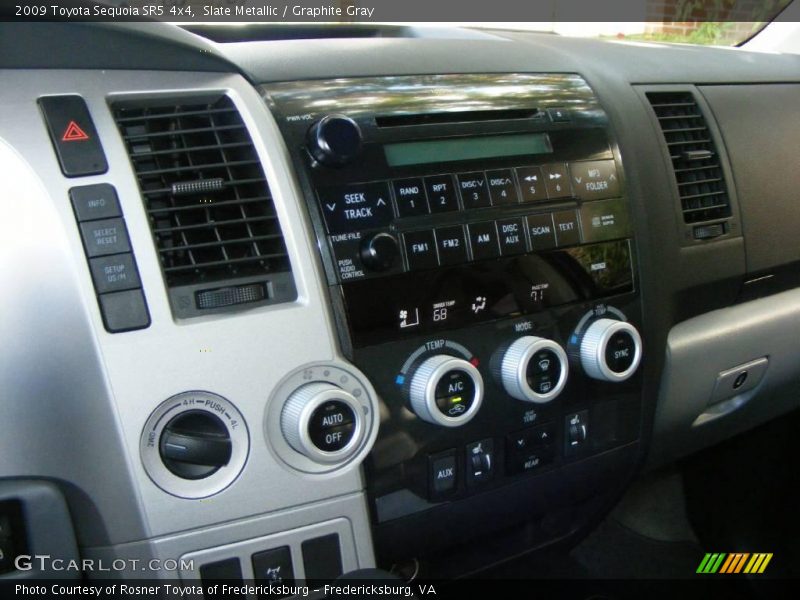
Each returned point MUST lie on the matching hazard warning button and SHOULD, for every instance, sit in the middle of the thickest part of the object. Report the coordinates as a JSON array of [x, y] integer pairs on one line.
[[73, 135]]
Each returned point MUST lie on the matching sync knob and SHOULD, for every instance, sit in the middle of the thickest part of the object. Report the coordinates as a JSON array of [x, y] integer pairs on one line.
[[323, 422], [610, 350], [446, 390], [534, 369], [334, 140]]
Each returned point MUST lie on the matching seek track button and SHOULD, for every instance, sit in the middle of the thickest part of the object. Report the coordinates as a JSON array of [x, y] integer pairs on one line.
[[356, 207]]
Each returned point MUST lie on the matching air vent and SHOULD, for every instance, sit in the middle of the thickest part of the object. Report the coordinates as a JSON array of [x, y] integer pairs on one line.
[[701, 186], [207, 199]]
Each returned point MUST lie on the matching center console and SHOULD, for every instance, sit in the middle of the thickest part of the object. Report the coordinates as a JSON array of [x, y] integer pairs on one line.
[[476, 239]]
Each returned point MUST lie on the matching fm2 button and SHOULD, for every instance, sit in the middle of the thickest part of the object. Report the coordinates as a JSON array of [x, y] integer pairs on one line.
[[331, 426]]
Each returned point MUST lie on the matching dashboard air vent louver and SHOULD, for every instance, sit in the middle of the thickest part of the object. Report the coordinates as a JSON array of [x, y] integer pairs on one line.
[[695, 160], [208, 202]]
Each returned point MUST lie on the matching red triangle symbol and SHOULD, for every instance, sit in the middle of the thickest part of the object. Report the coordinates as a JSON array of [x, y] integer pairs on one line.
[[74, 133]]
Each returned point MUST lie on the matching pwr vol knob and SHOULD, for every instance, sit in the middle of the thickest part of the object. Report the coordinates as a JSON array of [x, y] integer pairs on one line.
[[323, 422]]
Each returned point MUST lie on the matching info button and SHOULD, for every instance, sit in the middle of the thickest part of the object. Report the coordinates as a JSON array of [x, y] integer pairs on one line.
[[356, 207]]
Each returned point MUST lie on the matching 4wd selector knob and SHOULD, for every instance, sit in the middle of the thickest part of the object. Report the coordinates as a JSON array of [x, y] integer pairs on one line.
[[323, 422], [534, 369], [195, 444], [610, 350], [446, 390], [334, 140]]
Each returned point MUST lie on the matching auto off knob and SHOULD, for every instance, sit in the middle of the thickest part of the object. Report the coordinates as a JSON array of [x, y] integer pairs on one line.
[[323, 422], [534, 369], [610, 350], [446, 390]]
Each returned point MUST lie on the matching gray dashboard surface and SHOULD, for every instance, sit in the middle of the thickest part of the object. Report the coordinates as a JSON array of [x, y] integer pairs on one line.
[[515, 51]]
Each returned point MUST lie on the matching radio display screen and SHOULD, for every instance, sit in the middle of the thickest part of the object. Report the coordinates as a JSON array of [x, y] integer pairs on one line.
[[422, 302], [466, 148]]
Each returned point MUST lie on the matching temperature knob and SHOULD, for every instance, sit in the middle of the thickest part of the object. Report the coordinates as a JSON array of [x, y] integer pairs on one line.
[[534, 369], [610, 350], [334, 140], [323, 422], [446, 390]]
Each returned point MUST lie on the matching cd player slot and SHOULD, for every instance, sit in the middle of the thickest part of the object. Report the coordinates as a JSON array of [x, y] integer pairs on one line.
[[473, 116]]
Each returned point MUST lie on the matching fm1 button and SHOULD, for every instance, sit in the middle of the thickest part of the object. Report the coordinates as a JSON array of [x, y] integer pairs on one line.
[[442, 473], [331, 426], [454, 393]]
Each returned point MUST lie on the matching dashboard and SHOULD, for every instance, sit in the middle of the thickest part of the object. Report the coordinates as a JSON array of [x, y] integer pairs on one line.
[[293, 308]]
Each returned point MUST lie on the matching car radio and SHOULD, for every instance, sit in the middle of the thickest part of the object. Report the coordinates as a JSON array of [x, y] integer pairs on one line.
[[478, 247]]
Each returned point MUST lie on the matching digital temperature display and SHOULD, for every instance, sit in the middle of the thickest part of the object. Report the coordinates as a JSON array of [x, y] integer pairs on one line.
[[426, 301]]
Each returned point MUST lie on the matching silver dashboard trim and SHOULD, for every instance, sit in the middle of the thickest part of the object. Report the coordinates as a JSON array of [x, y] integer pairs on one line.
[[89, 392]]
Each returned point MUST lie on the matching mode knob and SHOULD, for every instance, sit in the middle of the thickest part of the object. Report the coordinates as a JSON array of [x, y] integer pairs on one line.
[[610, 350], [445, 390], [334, 140], [380, 252], [323, 422], [534, 369]]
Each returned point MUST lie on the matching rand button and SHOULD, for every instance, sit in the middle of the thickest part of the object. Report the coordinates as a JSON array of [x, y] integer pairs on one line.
[[410, 197]]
